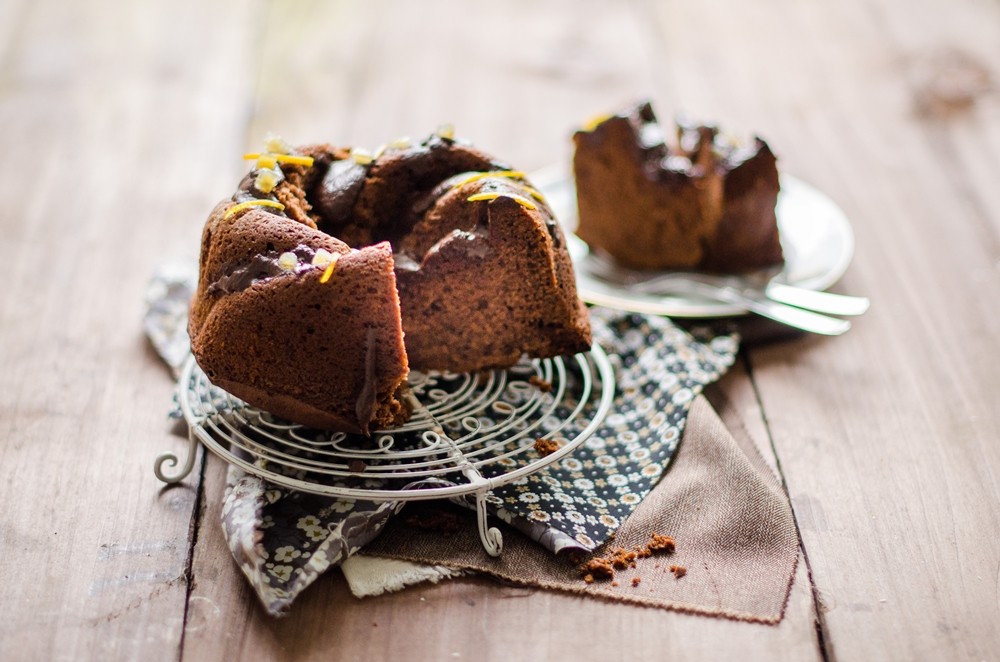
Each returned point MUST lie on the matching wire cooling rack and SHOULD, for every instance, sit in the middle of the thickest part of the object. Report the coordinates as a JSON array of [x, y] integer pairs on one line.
[[468, 434]]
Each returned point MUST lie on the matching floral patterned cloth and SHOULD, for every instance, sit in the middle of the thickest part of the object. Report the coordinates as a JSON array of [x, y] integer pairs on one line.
[[283, 539]]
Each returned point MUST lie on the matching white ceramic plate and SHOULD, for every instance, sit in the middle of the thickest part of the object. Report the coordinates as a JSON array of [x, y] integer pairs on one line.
[[816, 238]]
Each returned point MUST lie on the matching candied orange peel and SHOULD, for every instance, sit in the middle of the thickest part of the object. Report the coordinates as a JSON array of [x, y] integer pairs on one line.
[[535, 193], [592, 123], [290, 159], [266, 161], [235, 209], [446, 131], [524, 202], [510, 174], [328, 272], [266, 180]]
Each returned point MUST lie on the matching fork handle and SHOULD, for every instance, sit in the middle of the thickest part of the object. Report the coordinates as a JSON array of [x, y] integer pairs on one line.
[[821, 302], [798, 317], [777, 311]]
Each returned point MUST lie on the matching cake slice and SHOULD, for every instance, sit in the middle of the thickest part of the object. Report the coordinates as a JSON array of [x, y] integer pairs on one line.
[[299, 324], [701, 204], [485, 277]]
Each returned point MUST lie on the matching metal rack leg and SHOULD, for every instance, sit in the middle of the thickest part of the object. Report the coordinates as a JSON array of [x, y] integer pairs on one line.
[[490, 536], [171, 460]]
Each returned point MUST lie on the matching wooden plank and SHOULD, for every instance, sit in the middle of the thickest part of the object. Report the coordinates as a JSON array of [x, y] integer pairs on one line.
[[467, 619], [516, 87], [111, 152], [886, 436]]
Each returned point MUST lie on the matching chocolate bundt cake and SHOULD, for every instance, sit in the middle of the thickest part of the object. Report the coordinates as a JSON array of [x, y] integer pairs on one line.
[[332, 271], [703, 204]]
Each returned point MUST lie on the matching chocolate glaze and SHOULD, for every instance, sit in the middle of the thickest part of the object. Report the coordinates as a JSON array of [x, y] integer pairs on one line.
[[473, 244], [424, 203], [262, 266], [247, 190], [339, 190], [365, 405]]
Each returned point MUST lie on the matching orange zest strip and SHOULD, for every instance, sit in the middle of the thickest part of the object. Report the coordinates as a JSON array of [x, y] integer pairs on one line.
[[512, 174], [535, 194], [291, 159], [592, 123], [524, 202], [235, 209], [329, 270]]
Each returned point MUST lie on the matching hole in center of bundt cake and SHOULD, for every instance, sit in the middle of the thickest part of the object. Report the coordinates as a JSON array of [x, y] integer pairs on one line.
[[391, 198]]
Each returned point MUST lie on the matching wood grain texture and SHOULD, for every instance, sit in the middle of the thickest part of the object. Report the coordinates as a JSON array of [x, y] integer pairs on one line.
[[122, 124], [887, 436], [97, 104], [473, 618]]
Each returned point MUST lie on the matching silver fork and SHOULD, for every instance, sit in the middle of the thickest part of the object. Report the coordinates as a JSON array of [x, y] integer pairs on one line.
[[820, 302], [762, 295], [794, 306]]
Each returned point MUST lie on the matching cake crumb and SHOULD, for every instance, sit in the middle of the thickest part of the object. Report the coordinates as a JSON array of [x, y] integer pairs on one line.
[[622, 558], [356, 466], [599, 568], [614, 583], [658, 543], [636, 581], [678, 570], [545, 446], [540, 383]]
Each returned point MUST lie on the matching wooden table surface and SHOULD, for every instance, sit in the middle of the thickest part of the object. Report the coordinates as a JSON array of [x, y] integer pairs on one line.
[[122, 123]]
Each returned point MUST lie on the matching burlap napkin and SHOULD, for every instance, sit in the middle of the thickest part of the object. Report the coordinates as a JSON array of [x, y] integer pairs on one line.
[[735, 537]]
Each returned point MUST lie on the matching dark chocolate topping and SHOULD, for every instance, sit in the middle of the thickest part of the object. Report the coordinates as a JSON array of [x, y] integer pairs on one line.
[[262, 266], [247, 190], [472, 244], [339, 190], [365, 405], [424, 202]]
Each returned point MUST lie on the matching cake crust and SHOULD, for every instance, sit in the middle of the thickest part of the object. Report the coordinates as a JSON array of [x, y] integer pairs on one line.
[[702, 203]]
